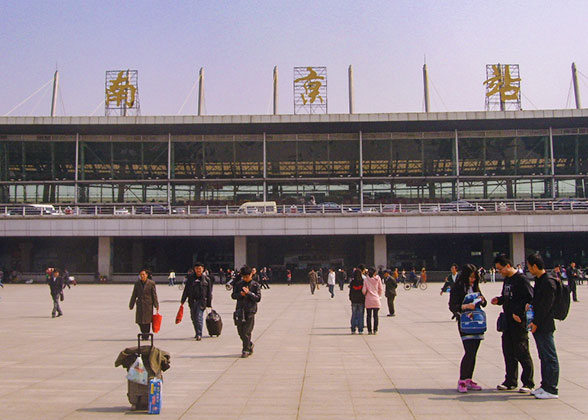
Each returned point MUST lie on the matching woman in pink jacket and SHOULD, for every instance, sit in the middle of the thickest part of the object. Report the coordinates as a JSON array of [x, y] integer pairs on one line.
[[373, 291]]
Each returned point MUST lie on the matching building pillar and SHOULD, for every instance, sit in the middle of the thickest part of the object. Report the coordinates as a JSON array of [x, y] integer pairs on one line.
[[380, 251], [137, 256], [487, 256], [105, 256], [25, 254], [517, 248], [240, 252]]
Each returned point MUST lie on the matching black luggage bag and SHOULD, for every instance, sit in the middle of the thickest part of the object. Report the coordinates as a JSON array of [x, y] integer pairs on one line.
[[214, 323]]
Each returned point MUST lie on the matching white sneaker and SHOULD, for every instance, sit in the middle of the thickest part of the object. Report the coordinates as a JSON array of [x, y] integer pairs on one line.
[[537, 391], [546, 396], [526, 390]]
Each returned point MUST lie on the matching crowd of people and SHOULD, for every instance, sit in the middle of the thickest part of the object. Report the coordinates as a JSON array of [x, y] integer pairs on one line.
[[525, 308]]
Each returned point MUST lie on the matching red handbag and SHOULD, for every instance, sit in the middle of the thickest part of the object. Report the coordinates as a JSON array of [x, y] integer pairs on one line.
[[180, 314], [156, 322]]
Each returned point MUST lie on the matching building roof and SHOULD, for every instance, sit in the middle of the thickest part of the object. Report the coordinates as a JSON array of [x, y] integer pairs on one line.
[[282, 124]]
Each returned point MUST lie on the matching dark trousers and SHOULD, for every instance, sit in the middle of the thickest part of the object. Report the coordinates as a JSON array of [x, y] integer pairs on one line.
[[549, 361], [341, 284], [332, 290], [372, 312], [197, 315], [245, 328], [312, 287], [56, 307], [391, 304], [572, 287], [468, 361], [145, 329], [515, 349]]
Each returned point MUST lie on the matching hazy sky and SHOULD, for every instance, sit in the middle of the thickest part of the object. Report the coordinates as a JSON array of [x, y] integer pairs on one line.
[[239, 42]]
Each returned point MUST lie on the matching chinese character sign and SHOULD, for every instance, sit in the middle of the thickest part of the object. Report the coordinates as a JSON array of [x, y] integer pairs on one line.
[[503, 87], [122, 91], [310, 90]]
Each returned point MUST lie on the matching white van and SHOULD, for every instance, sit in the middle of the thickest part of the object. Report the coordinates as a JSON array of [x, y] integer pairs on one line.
[[258, 207]]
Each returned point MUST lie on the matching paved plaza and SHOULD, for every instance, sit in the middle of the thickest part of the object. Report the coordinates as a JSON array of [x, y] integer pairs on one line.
[[306, 363]]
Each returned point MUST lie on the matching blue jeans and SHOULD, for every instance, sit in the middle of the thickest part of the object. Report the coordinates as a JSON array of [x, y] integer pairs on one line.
[[549, 361], [197, 317], [357, 317]]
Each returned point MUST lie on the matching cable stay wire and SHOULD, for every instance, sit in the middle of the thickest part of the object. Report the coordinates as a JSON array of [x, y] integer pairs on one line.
[[188, 97], [529, 100], [41, 98], [29, 97], [439, 95], [61, 100], [97, 107], [570, 93]]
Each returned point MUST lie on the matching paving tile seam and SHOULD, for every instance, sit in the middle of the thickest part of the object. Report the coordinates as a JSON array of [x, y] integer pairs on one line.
[[225, 371], [308, 352]]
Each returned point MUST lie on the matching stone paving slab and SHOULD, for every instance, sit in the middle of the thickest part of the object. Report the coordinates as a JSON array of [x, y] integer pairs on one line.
[[306, 363]]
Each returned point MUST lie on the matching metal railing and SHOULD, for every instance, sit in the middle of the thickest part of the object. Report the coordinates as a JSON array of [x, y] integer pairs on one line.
[[130, 210]]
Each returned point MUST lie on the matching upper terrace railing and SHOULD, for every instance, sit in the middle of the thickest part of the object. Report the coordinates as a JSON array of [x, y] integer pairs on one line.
[[332, 209]]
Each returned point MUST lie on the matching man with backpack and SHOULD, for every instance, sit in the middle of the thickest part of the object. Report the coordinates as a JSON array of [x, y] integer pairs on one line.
[[516, 294], [545, 300]]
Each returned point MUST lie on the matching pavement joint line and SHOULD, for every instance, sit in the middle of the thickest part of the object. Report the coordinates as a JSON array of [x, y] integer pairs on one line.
[[231, 365], [306, 363]]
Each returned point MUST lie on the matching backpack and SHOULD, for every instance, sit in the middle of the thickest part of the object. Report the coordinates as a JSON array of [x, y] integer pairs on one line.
[[561, 303]]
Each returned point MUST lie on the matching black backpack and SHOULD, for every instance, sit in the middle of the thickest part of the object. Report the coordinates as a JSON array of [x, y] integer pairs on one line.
[[561, 303]]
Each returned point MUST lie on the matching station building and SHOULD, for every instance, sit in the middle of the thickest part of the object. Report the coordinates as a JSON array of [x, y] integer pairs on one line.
[[531, 157]]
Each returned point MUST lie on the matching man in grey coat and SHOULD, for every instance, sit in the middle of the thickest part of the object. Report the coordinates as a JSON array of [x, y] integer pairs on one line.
[[145, 297]]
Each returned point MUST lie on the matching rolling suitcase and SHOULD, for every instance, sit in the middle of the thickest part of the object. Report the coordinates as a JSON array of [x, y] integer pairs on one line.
[[214, 323], [138, 394]]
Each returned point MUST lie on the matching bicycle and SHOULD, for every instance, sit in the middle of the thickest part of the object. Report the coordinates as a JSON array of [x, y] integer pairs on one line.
[[418, 285]]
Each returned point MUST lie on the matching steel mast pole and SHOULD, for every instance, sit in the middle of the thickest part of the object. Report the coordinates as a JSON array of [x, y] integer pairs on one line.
[[200, 90], [426, 87], [276, 90], [576, 87], [351, 98], [55, 88]]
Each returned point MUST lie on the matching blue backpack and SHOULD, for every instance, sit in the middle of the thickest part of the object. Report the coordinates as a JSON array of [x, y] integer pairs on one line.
[[473, 322]]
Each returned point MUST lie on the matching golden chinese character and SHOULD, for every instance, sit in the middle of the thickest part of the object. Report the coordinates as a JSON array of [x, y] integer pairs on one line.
[[121, 89], [312, 85], [503, 83]]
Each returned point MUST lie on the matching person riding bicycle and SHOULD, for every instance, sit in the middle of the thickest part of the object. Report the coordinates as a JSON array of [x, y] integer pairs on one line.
[[413, 278]]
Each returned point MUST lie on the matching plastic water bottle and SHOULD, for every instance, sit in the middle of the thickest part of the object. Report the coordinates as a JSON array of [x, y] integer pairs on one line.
[[530, 315]]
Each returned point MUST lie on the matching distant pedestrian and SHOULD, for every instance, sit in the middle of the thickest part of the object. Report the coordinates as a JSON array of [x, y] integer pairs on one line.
[[198, 293], [144, 296], [341, 276], [391, 283], [172, 278], [331, 282], [373, 291], [423, 275], [573, 277], [450, 279], [247, 293], [467, 282], [312, 279], [55, 282], [1, 278], [289, 277]]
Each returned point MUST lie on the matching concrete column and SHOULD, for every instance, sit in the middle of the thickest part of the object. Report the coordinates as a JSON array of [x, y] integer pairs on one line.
[[105, 256], [25, 253], [517, 247], [380, 251], [240, 253], [137, 256], [487, 257]]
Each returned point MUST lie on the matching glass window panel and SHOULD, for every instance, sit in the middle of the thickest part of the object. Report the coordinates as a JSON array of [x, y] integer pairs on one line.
[[216, 193], [37, 193], [187, 160], [299, 192], [570, 154]]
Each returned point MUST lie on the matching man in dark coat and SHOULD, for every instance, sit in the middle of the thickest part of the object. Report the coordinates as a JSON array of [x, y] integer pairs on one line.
[[247, 293], [198, 292], [55, 282], [313, 279], [391, 285], [573, 277], [145, 297]]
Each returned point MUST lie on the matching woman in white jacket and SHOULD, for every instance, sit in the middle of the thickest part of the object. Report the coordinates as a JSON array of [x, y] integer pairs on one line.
[[373, 291]]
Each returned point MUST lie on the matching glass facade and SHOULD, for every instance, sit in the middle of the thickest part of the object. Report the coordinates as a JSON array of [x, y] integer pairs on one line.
[[352, 168]]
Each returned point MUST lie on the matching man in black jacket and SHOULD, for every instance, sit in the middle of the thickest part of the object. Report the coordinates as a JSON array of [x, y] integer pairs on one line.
[[391, 285], [247, 293], [543, 327], [516, 294], [198, 292], [573, 277], [55, 282]]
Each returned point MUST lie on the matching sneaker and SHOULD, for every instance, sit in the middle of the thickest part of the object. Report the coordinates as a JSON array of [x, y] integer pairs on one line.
[[473, 385], [546, 396], [375, 332], [369, 333], [352, 332], [537, 391], [59, 314], [526, 390], [198, 338], [503, 387], [462, 386], [361, 332], [244, 354]]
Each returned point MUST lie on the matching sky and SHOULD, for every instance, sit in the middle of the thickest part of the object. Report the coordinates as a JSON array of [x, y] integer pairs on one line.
[[238, 43]]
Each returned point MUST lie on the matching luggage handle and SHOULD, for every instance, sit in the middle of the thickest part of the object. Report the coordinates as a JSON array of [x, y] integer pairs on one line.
[[140, 337]]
